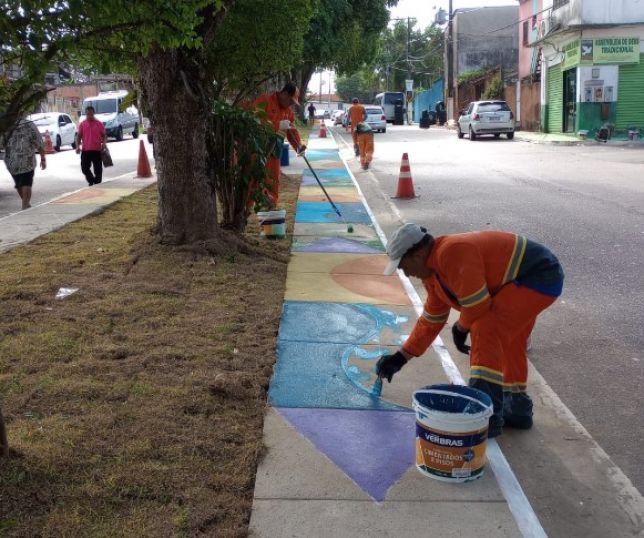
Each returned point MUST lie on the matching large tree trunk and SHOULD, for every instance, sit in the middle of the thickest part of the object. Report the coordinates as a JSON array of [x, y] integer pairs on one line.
[[179, 107], [4, 444]]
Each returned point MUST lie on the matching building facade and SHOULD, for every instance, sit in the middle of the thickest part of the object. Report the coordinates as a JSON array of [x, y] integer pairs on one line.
[[593, 67], [483, 38]]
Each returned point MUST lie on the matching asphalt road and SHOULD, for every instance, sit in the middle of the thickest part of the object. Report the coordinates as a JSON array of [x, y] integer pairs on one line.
[[63, 174], [587, 204]]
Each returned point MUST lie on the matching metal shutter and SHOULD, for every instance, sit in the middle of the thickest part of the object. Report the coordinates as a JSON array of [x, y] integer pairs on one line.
[[630, 96], [555, 99]]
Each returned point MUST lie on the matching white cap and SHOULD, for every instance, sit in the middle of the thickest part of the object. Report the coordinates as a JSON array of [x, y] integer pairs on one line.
[[401, 241]]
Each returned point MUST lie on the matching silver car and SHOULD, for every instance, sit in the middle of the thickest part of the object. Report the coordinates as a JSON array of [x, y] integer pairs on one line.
[[486, 117], [376, 118]]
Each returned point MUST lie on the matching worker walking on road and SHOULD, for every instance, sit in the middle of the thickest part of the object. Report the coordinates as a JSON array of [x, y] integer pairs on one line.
[[277, 106], [499, 282], [357, 113], [364, 134]]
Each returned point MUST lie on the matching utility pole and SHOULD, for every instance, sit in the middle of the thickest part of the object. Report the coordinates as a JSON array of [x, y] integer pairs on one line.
[[450, 65], [408, 70]]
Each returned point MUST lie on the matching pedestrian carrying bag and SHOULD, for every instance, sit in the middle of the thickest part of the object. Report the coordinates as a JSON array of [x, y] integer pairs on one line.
[[106, 158]]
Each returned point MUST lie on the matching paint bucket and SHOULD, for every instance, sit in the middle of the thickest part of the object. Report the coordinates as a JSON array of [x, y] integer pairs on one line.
[[451, 431], [272, 224]]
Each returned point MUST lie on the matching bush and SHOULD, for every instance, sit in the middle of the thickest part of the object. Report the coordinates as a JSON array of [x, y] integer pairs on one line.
[[493, 88]]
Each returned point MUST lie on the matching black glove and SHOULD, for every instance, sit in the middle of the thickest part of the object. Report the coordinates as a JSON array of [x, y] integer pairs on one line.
[[459, 339], [388, 365], [301, 149]]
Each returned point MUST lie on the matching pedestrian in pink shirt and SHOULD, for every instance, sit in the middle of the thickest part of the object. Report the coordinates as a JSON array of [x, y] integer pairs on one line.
[[91, 136]]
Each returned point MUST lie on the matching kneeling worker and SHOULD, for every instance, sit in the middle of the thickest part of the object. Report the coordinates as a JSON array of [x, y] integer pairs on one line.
[[499, 282], [364, 133]]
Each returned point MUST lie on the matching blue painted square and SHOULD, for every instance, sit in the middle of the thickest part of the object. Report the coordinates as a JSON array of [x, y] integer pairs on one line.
[[323, 212], [343, 323], [323, 155], [317, 375]]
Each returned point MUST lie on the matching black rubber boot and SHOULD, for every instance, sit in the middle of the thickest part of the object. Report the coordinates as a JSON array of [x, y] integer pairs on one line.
[[517, 410], [495, 392]]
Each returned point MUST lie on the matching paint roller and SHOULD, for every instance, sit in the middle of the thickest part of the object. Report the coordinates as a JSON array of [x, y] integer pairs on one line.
[[335, 208]]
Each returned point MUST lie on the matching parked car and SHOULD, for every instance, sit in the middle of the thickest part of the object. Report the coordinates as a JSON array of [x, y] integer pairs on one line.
[[61, 127], [336, 117], [109, 110], [486, 117], [376, 118]]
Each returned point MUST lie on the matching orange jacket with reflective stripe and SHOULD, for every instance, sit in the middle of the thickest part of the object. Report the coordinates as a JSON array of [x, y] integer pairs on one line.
[[357, 113], [270, 103], [468, 270]]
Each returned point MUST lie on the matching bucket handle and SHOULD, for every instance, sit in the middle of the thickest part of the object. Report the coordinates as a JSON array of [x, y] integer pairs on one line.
[[447, 393]]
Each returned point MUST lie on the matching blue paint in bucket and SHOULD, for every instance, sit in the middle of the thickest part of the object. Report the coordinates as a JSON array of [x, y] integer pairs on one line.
[[451, 431]]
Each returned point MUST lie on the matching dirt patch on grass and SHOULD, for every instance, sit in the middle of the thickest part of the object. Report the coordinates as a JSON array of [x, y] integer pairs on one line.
[[135, 406]]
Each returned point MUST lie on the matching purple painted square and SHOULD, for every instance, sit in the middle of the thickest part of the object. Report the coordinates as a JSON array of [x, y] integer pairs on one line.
[[373, 448]]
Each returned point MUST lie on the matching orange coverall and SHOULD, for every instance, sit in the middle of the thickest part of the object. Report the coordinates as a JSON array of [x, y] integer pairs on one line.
[[269, 102], [365, 143], [478, 274], [357, 113]]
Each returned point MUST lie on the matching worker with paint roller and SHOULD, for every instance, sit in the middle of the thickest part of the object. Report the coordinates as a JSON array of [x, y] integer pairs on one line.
[[499, 282], [277, 106]]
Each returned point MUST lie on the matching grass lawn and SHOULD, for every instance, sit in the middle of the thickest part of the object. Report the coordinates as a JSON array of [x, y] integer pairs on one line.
[[135, 406]]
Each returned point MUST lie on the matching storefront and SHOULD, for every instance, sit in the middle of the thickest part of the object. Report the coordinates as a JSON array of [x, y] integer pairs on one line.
[[596, 82]]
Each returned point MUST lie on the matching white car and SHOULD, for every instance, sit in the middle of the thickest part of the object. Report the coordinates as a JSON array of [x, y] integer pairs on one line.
[[336, 117], [376, 118], [486, 117], [61, 127]]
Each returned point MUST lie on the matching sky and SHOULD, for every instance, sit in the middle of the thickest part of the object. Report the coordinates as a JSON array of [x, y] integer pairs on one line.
[[423, 11]]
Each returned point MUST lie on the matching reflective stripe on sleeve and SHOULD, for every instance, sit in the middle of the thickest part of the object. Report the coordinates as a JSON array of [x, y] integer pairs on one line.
[[476, 298], [435, 318]]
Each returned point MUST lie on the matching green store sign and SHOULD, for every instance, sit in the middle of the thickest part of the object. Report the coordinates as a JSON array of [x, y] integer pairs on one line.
[[602, 50]]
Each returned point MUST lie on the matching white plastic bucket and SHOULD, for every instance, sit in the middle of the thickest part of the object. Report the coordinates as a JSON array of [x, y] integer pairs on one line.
[[451, 431], [272, 224]]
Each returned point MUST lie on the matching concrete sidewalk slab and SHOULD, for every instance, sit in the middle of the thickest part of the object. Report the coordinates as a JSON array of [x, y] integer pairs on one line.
[[322, 212], [314, 193], [360, 231], [335, 263], [25, 226], [294, 469], [346, 323], [305, 243], [324, 287], [289, 518]]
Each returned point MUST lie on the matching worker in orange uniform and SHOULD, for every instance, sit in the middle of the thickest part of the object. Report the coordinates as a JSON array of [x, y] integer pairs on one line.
[[277, 106], [364, 134], [499, 282], [357, 113]]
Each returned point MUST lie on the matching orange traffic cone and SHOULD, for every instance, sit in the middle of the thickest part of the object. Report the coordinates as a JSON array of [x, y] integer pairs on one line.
[[143, 167], [322, 130], [405, 182], [49, 146]]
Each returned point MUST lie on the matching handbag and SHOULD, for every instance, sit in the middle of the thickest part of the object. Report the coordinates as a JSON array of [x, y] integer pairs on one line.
[[106, 158]]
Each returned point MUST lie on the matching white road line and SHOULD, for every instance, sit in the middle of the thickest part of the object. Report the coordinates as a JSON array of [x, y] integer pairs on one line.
[[520, 507]]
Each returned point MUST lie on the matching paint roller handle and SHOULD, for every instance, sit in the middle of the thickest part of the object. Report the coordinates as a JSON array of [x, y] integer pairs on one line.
[[388, 365], [335, 208]]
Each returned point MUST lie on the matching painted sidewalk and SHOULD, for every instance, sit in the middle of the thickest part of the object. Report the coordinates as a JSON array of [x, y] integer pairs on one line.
[[341, 462], [25, 226]]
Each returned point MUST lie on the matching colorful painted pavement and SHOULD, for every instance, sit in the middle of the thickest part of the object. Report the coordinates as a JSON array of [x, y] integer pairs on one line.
[[328, 437], [340, 315]]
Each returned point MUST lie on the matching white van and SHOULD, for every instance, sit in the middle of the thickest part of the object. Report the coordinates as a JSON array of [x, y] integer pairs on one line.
[[387, 100], [108, 109]]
